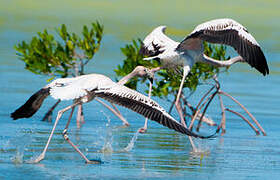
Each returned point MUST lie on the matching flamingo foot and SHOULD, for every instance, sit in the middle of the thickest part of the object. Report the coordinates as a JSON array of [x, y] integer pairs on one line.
[[142, 130], [126, 124], [93, 161], [38, 159]]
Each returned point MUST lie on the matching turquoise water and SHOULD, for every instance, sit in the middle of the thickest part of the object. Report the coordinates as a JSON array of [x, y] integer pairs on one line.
[[160, 153]]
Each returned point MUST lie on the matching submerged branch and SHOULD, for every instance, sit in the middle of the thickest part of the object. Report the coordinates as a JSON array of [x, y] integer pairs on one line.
[[252, 117], [245, 119]]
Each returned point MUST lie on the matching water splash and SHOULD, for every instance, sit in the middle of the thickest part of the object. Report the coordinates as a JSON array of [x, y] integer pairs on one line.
[[107, 147], [20, 142], [130, 145], [18, 158]]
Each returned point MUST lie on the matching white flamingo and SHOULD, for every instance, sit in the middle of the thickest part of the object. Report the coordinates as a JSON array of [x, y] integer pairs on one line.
[[222, 31], [85, 88]]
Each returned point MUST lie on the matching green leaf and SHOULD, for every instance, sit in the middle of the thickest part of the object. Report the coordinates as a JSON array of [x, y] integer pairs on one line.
[[56, 55]]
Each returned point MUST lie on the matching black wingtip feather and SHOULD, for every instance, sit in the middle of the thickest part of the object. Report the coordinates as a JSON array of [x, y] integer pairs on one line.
[[264, 66], [32, 105], [146, 52], [250, 52]]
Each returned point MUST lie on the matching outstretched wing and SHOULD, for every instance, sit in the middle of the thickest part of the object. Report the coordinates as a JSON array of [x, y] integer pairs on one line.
[[141, 104], [32, 105], [157, 42], [73, 88], [230, 32]]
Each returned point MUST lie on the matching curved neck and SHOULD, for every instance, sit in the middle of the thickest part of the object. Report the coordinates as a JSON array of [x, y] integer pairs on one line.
[[127, 78]]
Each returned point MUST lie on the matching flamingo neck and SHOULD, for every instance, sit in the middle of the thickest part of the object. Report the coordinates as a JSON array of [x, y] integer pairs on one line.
[[127, 78]]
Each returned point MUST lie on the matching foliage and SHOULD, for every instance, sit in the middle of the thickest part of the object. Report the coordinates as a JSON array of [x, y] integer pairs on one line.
[[133, 59], [66, 55], [168, 81]]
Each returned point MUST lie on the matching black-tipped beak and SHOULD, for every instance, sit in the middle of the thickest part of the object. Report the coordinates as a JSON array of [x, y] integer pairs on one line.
[[151, 79]]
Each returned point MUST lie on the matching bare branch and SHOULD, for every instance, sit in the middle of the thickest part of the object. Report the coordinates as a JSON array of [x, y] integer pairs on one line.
[[199, 109], [245, 119], [206, 107], [252, 117]]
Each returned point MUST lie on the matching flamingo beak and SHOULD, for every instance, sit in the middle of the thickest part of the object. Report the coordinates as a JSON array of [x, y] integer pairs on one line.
[[151, 79]]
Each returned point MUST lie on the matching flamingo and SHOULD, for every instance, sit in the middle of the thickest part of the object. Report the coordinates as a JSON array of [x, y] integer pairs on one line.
[[85, 88], [191, 50]]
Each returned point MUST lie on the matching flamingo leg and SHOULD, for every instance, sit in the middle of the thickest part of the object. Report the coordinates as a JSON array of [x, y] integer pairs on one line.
[[144, 129], [178, 106], [80, 116], [113, 111], [115, 107], [66, 137], [59, 114], [223, 122], [177, 102]]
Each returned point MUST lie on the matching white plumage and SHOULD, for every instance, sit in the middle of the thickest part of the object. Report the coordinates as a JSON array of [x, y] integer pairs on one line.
[[186, 53], [226, 24], [190, 50], [74, 88], [85, 88], [157, 39]]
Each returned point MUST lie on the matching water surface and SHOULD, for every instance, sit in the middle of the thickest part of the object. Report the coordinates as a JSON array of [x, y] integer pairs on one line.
[[160, 153]]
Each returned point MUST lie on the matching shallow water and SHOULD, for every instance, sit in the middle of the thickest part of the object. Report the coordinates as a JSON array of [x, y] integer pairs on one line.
[[160, 153]]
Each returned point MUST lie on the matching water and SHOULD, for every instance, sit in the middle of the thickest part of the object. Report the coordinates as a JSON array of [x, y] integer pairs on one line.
[[160, 153]]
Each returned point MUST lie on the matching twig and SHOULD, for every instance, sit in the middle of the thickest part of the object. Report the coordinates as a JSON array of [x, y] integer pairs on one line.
[[245, 119], [206, 107], [252, 117], [198, 110], [204, 119]]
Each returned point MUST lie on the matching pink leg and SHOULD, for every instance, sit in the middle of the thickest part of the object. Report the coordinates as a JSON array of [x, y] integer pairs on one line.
[[178, 106], [122, 118], [79, 113], [66, 137], [144, 129], [223, 123], [59, 114], [82, 115], [115, 107], [177, 102], [113, 111]]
